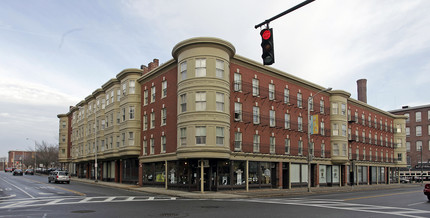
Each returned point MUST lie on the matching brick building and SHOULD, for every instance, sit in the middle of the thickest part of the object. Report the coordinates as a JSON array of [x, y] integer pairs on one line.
[[210, 119], [20, 159], [417, 135]]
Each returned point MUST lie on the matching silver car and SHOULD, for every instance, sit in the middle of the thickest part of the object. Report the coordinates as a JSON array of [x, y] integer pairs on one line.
[[59, 177]]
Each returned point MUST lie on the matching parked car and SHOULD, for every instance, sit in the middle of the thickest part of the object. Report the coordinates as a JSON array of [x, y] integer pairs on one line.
[[17, 172], [29, 172], [427, 190], [8, 169], [404, 180], [59, 177]]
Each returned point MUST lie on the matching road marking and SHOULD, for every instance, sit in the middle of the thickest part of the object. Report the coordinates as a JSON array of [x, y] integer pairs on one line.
[[18, 188], [378, 196], [85, 200], [44, 193], [54, 201], [130, 199], [416, 203], [109, 199], [49, 186], [151, 198], [10, 196]]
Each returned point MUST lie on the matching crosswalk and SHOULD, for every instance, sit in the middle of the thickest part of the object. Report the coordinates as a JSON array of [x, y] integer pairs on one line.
[[342, 205], [48, 201]]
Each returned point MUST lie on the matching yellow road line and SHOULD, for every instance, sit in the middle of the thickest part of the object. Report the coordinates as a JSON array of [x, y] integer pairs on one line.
[[65, 189], [377, 196]]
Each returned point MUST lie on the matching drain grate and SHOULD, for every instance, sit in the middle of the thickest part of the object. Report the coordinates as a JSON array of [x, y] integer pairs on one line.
[[169, 214], [83, 211]]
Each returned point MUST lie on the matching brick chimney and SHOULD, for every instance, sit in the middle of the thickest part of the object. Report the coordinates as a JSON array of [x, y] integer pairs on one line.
[[152, 65], [362, 90]]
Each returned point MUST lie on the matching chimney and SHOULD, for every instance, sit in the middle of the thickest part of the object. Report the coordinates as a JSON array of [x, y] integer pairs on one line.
[[144, 68], [362, 90], [152, 65]]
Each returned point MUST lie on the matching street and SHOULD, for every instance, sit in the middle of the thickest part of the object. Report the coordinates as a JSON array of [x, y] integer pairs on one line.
[[33, 196]]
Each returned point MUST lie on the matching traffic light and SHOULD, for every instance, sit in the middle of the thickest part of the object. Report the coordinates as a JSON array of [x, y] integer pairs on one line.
[[267, 46]]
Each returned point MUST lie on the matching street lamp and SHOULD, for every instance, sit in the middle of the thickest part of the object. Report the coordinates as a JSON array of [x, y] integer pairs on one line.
[[35, 153], [309, 135]]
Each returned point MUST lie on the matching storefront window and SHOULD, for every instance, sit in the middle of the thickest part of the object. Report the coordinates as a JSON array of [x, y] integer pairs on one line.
[[224, 172], [172, 177], [336, 172], [182, 173], [253, 172], [159, 172], [148, 172], [265, 173], [239, 173]]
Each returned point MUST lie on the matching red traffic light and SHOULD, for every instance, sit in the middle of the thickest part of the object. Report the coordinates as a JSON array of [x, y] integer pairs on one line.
[[266, 34]]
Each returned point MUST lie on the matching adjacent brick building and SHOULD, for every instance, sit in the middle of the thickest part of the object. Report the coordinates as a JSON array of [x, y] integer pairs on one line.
[[210, 119]]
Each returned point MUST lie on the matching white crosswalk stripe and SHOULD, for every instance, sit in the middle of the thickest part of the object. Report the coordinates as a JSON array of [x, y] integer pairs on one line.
[[341, 205]]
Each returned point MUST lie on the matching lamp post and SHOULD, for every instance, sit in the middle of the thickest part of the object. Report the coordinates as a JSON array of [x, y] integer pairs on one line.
[[309, 136], [35, 153]]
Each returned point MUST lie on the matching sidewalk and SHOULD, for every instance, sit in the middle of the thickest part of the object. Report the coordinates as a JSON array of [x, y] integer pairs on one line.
[[252, 193]]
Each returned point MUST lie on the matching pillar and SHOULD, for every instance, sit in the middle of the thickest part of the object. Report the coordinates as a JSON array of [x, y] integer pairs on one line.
[[140, 173], [280, 176], [247, 175]]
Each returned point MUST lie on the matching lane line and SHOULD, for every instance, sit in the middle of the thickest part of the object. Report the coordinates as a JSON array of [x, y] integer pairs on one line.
[[378, 196], [109, 199], [18, 188], [416, 203]]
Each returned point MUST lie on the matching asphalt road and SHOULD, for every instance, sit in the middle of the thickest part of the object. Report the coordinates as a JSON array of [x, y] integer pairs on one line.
[[33, 196]]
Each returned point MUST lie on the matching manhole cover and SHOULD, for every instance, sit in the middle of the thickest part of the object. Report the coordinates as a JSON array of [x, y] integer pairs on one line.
[[83, 211]]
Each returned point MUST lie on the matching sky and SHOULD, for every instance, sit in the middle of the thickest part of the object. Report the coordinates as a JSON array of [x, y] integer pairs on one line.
[[54, 53]]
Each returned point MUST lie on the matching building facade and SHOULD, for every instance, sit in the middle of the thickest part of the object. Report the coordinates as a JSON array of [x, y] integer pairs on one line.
[[21, 159], [417, 135], [210, 119]]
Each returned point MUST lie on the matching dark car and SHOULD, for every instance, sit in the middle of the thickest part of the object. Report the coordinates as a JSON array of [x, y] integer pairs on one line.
[[17, 172], [29, 172], [427, 190]]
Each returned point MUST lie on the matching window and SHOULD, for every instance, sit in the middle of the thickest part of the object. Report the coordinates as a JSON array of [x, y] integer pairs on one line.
[[118, 95], [200, 67], [219, 101], [399, 157], [103, 124], [322, 150], [112, 96], [335, 129], [399, 128], [418, 116], [124, 89], [344, 149], [152, 120], [145, 122], [200, 135], [220, 135], [300, 123], [163, 116], [364, 153], [123, 114], [131, 112], [418, 131], [183, 102], [271, 91], [428, 129], [256, 115], [153, 94], [300, 146], [419, 145], [163, 89], [311, 103], [145, 149], [343, 109], [312, 148], [152, 146], [237, 141], [376, 122], [132, 86], [370, 121], [334, 108], [370, 138], [287, 121], [255, 87], [399, 143], [183, 70], [343, 130], [237, 82], [272, 118], [237, 111], [408, 146], [363, 119], [183, 136], [107, 99], [286, 96], [200, 101], [272, 144], [322, 106], [408, 131], [299, 100], [131, 139], [287, 146], [256, 143], [219, 69], [118, 118], [145, 97], [322, 129], [163, 144]]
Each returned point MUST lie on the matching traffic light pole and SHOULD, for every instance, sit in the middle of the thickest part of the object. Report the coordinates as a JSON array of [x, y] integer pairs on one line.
[[284, 13]]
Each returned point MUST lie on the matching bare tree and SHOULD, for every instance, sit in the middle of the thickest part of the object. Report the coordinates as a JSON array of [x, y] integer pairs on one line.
[[47, 154]]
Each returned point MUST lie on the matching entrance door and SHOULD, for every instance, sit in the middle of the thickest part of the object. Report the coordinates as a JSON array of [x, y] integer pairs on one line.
[[285, 178]]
